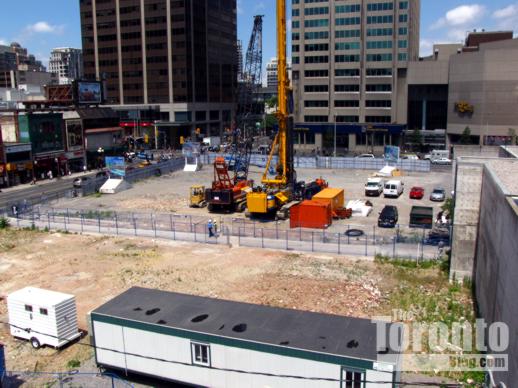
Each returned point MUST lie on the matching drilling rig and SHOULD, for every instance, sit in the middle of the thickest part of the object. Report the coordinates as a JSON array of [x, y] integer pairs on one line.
[[275, 196]]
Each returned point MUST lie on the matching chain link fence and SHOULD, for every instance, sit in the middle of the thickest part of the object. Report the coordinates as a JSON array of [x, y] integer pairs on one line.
[[70, 379], [355, 240], [326, 162]]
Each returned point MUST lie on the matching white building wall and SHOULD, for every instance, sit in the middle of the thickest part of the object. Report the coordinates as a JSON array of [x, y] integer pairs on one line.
[[161, 346]]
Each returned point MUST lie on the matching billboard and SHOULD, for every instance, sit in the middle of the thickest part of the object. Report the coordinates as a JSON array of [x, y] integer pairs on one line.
[[116, 165], [391, 153], [89, 92]]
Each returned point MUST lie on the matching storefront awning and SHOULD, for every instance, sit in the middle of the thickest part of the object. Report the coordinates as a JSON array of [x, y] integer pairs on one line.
[[102, 130]]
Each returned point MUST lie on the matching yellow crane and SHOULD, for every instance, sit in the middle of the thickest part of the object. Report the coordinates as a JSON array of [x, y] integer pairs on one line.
[[274, 197]]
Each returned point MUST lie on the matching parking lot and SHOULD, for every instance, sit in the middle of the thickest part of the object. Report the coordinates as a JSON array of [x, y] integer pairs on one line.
[[170, 194]]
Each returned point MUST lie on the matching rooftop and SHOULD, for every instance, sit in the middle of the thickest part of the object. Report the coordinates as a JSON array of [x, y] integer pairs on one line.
[[315, 332], [39, 296]]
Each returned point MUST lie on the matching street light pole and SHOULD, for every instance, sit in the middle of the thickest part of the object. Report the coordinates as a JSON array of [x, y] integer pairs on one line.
[[334, 140]]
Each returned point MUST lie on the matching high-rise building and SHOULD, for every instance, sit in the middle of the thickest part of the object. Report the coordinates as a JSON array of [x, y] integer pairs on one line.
[[177, 57], [271, 73], [239, 60], [350, 61], [67, 63]]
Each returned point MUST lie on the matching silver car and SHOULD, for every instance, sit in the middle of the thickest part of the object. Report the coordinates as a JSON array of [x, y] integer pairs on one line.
[[438, 195]]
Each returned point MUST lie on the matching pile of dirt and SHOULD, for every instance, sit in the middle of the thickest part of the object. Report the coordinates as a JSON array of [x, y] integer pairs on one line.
[[154, 203]]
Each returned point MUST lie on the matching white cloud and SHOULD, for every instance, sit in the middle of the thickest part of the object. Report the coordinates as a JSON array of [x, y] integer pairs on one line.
[[460, 16], [44, 27], [3, 42], [239, 7], [507, 12], [288, 26], [425, 47], [506, 18]]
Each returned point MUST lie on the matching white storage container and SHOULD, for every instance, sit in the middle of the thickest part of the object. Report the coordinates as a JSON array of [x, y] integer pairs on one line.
[[44, 317]]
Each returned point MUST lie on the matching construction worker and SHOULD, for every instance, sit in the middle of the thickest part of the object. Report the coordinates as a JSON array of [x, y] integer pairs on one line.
[[210, 227], [215, 225]]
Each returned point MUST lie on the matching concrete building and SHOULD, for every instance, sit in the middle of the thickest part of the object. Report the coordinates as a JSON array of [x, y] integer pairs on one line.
[[239, 60], [271, 73], [350, 66], [484, 238], [176, 59], [482, 90], [67, 63]]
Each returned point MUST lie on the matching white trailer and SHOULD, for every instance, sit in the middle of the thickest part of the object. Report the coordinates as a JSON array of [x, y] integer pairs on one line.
[[215, 343], [43, 317]]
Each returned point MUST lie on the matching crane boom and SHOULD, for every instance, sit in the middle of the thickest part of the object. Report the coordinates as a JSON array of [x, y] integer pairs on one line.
[[284, 168]]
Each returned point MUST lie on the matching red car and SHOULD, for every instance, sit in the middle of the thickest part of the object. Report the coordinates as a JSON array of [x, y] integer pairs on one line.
[[417, 193]]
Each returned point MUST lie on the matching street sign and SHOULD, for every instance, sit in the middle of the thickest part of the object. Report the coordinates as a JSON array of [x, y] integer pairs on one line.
[[116, 165]]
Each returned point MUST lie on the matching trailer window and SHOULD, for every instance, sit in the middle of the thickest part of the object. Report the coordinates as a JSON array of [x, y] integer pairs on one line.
[[28, 308], [352, 378], [44, 311], [200, 354]]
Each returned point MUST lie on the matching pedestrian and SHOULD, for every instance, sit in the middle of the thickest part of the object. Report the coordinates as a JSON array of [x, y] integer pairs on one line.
[[15, 211], [210, 227], [215, 227], [33, 182]]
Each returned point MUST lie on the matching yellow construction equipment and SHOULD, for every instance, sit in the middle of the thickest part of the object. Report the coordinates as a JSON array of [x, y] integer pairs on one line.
[[197, 196], [274, 197]]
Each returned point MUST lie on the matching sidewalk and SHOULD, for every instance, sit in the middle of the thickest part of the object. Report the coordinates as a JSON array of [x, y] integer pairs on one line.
[[46, 182]]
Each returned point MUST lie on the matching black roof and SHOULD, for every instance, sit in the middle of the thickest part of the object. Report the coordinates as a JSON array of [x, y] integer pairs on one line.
[[316, 332]]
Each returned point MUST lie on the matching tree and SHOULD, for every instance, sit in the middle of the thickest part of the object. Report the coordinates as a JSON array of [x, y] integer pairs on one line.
[[417, 138], [512, 135], [465, 138], [272, 102], [271, 121]]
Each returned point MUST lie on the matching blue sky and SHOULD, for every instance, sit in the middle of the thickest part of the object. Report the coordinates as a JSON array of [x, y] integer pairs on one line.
[[41, 25]]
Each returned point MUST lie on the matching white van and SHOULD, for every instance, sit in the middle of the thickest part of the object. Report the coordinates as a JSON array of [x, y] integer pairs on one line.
[[393, 189], [374, 187], [439, 154]]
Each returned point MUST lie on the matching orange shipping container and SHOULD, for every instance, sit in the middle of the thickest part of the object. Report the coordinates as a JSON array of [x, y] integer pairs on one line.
[[311, 214], [334, 197]]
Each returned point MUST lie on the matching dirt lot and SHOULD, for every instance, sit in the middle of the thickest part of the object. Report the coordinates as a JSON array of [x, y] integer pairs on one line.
[[170, 193], [95, 269]]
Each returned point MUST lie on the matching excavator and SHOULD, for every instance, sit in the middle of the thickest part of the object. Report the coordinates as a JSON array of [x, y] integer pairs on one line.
[[228, 194], [275, 196]]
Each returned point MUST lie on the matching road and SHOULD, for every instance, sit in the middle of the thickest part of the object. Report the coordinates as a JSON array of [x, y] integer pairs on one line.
[[44, 189]]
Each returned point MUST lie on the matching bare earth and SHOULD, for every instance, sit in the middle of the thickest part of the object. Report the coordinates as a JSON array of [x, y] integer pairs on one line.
[[96, 268]]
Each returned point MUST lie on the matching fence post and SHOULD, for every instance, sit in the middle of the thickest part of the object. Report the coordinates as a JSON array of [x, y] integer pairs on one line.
[[227, 235], [276, 230], [48, 220], [194, 232], [68, 216], [374, 235], [65, 221], [239, 236], [190, 220], [171, 221], [262, 237], [338, 243], [254, 228], [287, 239], [134, 223], [99, 221], [174, 231], [394, 247], [116, 224], [300, 233], [153, 220], [348, 237], [312, 241], [366, 244]]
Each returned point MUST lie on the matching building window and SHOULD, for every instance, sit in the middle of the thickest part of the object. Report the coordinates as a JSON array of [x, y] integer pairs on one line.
[[316, 11], [315, 119], [316, 73], [316, 23], [316, 35], [348, 34], [295, 24], [201, 115], [347, 58], [295, 12], [348, 8], [402, 57], [347, 46], [200, 354], [403, 18], [379, 7], [402, 43], [347, 21], [403, 5], [379, 19], [44, 311], [317, 59], [295, 36], [379, 32], [214, 115], [295, 48], [316, 88], [316, 104], [28, 308], [295, 1], [403, 31], [378, 104], [347, 72], [316, 47], [378, 88], [378, 119], [379, 44], [347, 103], [347, 119], [379, 72], [347, 88], [295, 60], [379, 57]]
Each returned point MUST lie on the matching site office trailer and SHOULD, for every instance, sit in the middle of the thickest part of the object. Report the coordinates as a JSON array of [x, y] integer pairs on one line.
[[42, 316], [214, 343]]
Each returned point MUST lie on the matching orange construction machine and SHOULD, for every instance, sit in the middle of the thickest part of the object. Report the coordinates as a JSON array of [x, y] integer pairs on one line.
[[227, 194]]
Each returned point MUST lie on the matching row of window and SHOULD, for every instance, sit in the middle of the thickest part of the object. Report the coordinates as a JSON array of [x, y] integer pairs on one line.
[[311, 35], [348, 88], [349, 119], [29, 309], [385, 57], [381, 19], [316, 11], [348, 73], [348, 8], [347, 46], [316, 23], [347, 21]]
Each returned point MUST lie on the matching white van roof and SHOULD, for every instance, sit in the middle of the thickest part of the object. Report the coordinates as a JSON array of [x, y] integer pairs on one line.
[[393, 182], [39, 296]]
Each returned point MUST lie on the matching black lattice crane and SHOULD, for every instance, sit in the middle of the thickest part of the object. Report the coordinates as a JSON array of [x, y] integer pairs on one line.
[[252, 72]]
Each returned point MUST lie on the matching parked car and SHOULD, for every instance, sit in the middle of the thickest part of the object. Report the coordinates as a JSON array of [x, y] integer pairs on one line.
[[438, 236], [393, 189], [438, 195], [102, 174], [388, 217], [416, 193], [81, 181], [427, 157], [442, 161], [374, 187], [366, 156]]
